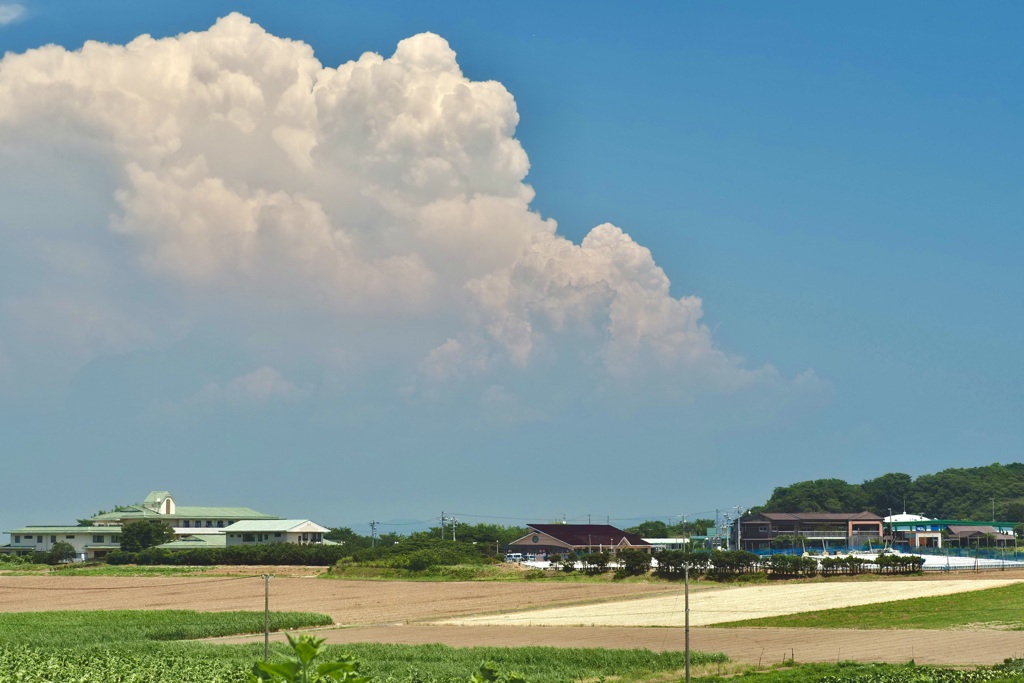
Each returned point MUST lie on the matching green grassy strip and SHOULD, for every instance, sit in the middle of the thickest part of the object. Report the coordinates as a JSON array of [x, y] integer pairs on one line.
[[1001, 607], [548, 664], [851, 672], [80, 629]]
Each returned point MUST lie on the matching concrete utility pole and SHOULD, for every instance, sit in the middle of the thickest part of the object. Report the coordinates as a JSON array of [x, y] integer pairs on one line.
[[373, 534], [266, 617], [444, 520], [686, 593]]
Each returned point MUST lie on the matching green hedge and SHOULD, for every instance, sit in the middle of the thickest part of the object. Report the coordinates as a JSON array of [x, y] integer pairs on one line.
[[260, 553]]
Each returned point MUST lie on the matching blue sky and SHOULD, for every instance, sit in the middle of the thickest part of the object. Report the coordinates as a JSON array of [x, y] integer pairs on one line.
[[832, 194]]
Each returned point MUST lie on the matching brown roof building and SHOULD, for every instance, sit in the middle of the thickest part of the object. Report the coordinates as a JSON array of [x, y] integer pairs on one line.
[[821, 530], [581, 538]]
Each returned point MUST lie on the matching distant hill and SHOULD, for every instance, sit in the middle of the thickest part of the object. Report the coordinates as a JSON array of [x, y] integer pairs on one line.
[[965, 493]]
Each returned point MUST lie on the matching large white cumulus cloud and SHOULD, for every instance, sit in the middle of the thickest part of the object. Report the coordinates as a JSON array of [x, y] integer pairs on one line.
[[247, 172]]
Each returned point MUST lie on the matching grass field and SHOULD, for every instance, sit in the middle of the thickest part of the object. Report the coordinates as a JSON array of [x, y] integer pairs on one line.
[[994, 608]]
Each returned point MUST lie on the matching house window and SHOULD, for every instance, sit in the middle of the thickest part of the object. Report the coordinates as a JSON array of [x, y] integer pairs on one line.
[[17, 539], [220, 523], [39, 539], [53, 539], [97, 539], [209, 523], [277, 534], [115, 539], [70, 538], [185, 524], [248, 538]]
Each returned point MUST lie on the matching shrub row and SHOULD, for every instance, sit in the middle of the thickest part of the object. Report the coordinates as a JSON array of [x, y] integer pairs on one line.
[[728, 563], [261, 553]]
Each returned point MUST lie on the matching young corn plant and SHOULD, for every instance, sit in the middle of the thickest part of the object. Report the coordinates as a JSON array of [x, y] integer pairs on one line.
[[303, 667]]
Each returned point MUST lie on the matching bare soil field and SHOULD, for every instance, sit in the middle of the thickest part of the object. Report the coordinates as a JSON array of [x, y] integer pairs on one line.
[[347, 602], [399, 612], [731, 604]]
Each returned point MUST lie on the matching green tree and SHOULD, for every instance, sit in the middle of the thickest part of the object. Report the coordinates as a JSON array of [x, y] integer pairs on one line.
[[893, 490], [651, 529], [60, 553], [634, 562], [88, 521], [145, 533], [350, 539], [697, 527], [819, 495]]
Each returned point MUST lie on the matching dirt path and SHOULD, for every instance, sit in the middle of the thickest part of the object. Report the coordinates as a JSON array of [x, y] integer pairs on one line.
[[748, 645]]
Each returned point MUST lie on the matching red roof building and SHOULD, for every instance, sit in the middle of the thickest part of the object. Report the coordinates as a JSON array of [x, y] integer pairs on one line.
[[580, 538]]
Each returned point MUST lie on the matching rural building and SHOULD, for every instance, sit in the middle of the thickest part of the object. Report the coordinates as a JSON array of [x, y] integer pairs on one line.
[[194, 527], [820, 530], [89, 542], [669, 543], [300, 531], [577, 538], [935, 533], [160, 505]]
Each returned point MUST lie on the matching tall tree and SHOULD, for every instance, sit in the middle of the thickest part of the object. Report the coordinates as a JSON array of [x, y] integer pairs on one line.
[[145, 533], [819, 495]]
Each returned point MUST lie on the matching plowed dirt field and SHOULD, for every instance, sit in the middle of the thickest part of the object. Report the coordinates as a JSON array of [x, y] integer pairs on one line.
[[408, 612]]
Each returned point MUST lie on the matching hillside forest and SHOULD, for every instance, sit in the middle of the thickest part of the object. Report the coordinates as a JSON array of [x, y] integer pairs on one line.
[[976, 493]]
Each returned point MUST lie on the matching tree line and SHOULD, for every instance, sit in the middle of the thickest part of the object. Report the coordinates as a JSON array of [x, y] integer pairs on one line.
[[974, 493]]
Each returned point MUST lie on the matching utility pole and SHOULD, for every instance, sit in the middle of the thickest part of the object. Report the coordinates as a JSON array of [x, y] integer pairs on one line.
[[993, 509], [739, 528], [373, 533], [686, 593], [266, 617], [444, 519], [454, 522]]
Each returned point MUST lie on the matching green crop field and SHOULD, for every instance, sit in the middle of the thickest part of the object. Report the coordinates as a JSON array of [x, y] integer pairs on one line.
[[1001, 607], [145, 647], [84, 629]]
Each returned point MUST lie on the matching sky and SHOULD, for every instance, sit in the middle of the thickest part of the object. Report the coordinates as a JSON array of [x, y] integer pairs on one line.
[[375, 261]]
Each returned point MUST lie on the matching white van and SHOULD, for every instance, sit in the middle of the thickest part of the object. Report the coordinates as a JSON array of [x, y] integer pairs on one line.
[[514, 557]]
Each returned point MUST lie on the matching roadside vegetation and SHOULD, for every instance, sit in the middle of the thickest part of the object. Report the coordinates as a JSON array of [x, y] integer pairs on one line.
[[1010, 671], [1001, 608]]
